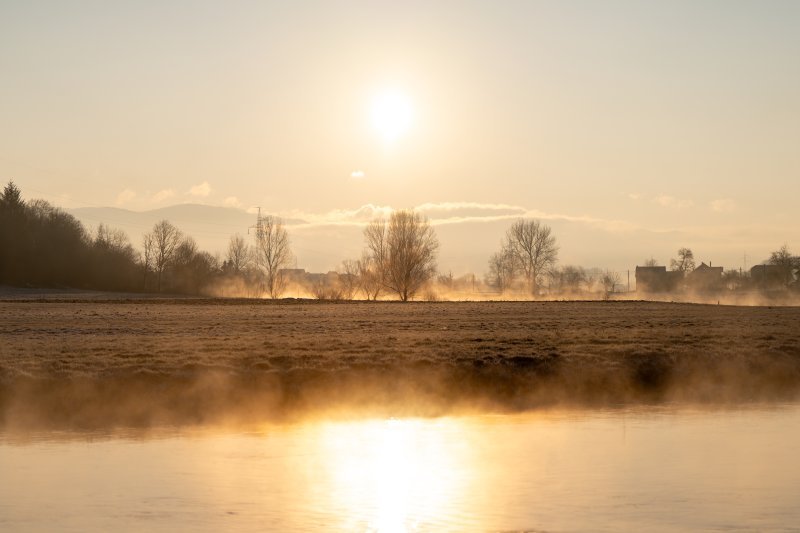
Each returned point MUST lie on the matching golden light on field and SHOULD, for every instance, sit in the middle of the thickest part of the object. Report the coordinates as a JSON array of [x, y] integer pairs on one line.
[[392, 114]]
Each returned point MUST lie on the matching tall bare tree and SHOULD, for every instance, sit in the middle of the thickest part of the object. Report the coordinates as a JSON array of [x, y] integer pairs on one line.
[[684, 263], [534, 248], [404, 251], [165, 238], [238, 253], [273, 254]]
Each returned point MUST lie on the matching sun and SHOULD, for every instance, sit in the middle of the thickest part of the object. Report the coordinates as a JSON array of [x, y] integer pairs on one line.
[[392, 114]]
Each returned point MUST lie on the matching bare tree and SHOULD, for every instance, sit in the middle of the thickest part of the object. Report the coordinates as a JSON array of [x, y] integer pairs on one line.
[[650, 262], [369, 276], [149, 246], [610, 280], [786, 263], [164, 239], [110, 238], [238, 253], [569, 279], [534, 248], [326, 288], [684, 263], [273, 253], [502, 269], [404, 250], [348, 279], [446, 280]]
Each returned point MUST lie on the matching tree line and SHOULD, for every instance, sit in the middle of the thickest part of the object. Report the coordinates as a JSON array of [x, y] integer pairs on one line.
[[43, 245]]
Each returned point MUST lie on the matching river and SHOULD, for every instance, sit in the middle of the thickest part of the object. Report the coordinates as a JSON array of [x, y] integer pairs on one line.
[[644, 468]]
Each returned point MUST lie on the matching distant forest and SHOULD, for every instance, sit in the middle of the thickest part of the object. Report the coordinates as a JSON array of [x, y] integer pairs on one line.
[[43, 246]]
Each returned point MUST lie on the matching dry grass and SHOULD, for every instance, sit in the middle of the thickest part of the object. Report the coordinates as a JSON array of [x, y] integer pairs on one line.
[[191, 361]]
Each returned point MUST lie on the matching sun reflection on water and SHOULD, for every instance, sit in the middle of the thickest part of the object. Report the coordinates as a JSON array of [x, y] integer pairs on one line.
[[398, 474]]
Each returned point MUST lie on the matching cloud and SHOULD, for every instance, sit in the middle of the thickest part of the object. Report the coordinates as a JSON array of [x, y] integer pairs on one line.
[[162, 195], [231, 201], [723, 205], [358, 216], [358, 175], [635, 196], [201, 189], [449, 213], [125, 196], [666, 200], [457, 210]]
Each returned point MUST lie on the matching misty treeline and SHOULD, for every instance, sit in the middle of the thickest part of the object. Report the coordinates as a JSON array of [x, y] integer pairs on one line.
[[42, 245], [398, 261], [526, 265]]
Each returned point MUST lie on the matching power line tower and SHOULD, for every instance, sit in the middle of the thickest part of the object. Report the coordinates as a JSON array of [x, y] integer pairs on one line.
[[259, 236]]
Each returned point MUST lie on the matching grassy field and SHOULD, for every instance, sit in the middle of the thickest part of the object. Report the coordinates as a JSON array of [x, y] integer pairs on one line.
[[90, 362]]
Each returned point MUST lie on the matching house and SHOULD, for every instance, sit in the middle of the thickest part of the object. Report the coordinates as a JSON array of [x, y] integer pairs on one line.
[[294, 275], [657, 279], [767, 275], [705, 277]]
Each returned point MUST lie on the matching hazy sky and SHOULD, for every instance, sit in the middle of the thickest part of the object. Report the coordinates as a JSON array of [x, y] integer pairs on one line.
[[632, 127]]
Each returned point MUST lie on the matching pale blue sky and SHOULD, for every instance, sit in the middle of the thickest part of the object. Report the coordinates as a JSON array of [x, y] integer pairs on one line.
[[649, 124]]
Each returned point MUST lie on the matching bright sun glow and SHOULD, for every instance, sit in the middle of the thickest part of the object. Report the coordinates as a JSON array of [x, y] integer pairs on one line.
[[391, 115], [391, 474]]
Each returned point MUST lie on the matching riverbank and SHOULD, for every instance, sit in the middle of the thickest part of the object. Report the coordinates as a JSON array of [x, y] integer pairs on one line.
[[84, 362]]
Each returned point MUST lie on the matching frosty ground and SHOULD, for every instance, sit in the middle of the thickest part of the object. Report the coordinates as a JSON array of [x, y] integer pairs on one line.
[[138, 362]]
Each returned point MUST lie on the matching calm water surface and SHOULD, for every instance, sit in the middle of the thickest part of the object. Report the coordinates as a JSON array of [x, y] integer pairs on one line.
[[642, 469]]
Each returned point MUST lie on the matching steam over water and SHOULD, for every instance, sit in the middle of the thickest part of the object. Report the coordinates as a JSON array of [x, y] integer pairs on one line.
[[635, 469]]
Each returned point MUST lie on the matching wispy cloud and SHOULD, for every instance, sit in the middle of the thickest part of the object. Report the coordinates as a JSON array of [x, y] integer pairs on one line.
[[358, 175], [468, 209], [723, 205], [231, 201], [449, 213], [338, 217], [162, 195], [125, 197], [201, 189]]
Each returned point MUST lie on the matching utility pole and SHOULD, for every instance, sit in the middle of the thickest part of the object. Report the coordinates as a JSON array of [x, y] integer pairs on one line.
[[629, 280]]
